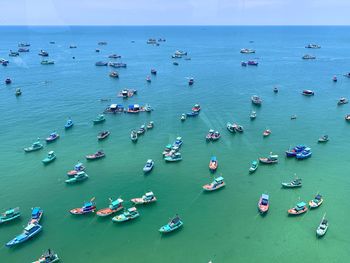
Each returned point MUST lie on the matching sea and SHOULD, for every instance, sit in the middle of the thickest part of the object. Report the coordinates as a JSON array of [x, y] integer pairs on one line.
[[221, 226]]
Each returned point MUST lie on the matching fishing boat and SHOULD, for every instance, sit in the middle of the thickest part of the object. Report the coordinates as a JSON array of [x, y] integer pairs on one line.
[[102, 43], [190, 81], [313, 46], [127, 93], [78, 177], [88, 207], [36, 215], [294, 151], [97, 50], [114, 207], [308, 92], [10, 215], [8, 81], [342, 101], [196, 108], [103, 135], [129, 214], [29, 231], [133, 136], [247, 51], [306, 153], [252, 63], [117, 65], [13, 53], [293, 117], [100, 118], [43, 53], [323, 227], [214, 185], [168, 149], [134, 108], [47, 62], [256, 100], [153, 71], [51, 156], [79, 167], [101, 63], [150, 125], [237, 127], [72, 46], [175, 63], [263, 204], [243, 64], [177, 143], [148, 79], [141, 130], [114, 56], [253, 167], [180, 53], [266, 133], [347, 117], [335, 79], [99, 154], [316, 202], [213, 164], [23, 50], [347, 75], [323, 138], [252, 115], [293, 184], [209, 134], [192, 114], [147, 108], [230, 127], [113, 108], [216, 136], [23, 45], [173, 224], [275, 90], [148, 166], [145, 199], [183, 117], [35, 146], [18, 92], [48, 257], [175, 157], [271, 159], [300, 208], [52, 137], [114, 74], [307, 56], [69, 124]]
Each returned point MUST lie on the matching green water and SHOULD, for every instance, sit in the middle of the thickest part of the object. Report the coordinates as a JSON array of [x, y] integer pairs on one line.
[[222, 226]]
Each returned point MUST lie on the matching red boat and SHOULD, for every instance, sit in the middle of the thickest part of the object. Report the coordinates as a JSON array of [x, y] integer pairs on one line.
[[114, 207], [196, 108], [263, 204], [266, 133], [88, 207], [298, 209]]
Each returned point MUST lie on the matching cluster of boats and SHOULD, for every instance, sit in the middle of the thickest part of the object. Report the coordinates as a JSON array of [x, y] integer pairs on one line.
[[249, 63], [134, 135], [133, 108], [212, 135], [300, 152], [234, 127], [171, 152], [193, 113], [127, 93]]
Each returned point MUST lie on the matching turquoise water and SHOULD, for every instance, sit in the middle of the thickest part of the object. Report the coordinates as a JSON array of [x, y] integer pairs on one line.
[[223, 226]]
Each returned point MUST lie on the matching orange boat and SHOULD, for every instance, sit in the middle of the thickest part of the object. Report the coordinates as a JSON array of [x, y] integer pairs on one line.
[[213, 164], [215, 185], [264, 203], [266, 133], [88, 207], [298, 209], [114, 207]]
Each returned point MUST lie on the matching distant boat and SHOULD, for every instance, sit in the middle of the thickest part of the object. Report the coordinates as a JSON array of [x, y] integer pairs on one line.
[[114, 207], [316, 202], [342, 101], [215, 185], [174, 223], [103, 135], [36, 215], [271, 159], [252, 115], [51, 156], [48, 257], [263, 204], [98, 155], [252, 63], [308, 92], [266, 133], [313, 46], [148, 166], [88, 207], [308, 57], [253, 167], [256, 100], [52, 137], [300, 208], [78, 177], [293, 184], [145, 199], [101, 63], [247, 51], [43, 53], [323, 227], [129, 214], [47, 62], [323, 138], [10, 215], [69, 124], [114, 56], [35, 146], [213, 164], [100, 118]]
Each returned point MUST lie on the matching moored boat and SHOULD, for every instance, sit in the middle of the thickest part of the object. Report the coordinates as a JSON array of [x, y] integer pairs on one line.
[[230, 127], [51, 156], [88, 207], [79, 167], [252, 63], [307, 56], [196, 108], [266, 133], [175, 157], [292, 152], [342, 101], [252, 115], [101, 63], [145, 199], [8, 81], [48, 257], [114, 56], [192, 114], [153, 71], [129, 214], [43, 53], [313, 46], [47, 62], [300, 208], [69, 124], [213, 163], [191, 81], [52, 137], [29, 231], [150, 125], [271, 159], [78, 177], [293, 184], [347, 117], [148, 166], [100, 118], [103, 135], [316, 202], [323, 227], [335, 79], [237, 127], [36, 215], [183, 117], [215, 136], [306, 153], [308, 92], [37, 145], [215, 185], [10, 215], [256, 100], [324, 138], [141, 130], [275, 89], [247, 51], [264, 203], [133, 136], [209, 134], [18, 92], [114, 207], [253, 167], [99, 154], [114, 74], [174, 223], [13, 53]]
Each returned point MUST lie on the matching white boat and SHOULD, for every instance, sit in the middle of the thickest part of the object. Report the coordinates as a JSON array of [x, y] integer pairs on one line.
[[323, 227], [247, 51], [148, 166]]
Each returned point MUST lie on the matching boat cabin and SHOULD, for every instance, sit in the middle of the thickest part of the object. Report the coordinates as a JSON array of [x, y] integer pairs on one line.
[[219, 180], [300, 206], [117, 202], [134, 108]]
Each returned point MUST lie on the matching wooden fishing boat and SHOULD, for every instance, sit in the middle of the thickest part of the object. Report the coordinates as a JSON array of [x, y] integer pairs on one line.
[[263, 204], [52, 137], [191, 81], [153, 71], [114, 74], [100, 118], [129, 214], [256, 100], [196, 108], [237, 127], [230, 127], [174, 223], [192, 114], [114, 207], [209, 135], [215, 136], [88, 207], [99, 154], [36, 215], [29, 231], [78, 177], [79, 167], [35, 146], [271, 159], [266, 133], [103, 135], [141, 130], [145, 199], [347, 117], [213, 164], [47, 62], [253, 167], [299, 209], [150, 125], [306, 153], [10, 215], [293, 184], [215, 185], [316, 202], [48, 257], [51, 156], [323, 227], [323, 138]]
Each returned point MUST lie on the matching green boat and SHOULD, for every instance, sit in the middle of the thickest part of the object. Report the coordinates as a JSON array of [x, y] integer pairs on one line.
[[129, 214], [35, 146], [173, 158], [47, 62], [9, 215], [100, 118], [80, 176], [253, 167], [51, 156]]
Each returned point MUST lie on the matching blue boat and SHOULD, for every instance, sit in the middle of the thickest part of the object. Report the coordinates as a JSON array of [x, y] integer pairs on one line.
[[174, 224], [68, 124], [37, 213], [29, 231], [192, 114], [297, 149], [177, 143], [304, 154]]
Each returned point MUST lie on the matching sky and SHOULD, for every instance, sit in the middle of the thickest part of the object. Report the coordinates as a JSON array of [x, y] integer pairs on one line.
[[174, 12]]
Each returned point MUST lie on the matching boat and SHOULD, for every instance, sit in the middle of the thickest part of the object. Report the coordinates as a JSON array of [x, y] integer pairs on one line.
[[256, 100], [43, 53], [271, 159], [134, 108], [78, 177], [37, 145], [88, 207], [173, 224], [174, 157], [230, 127], [23, 44], [180, 53], [97, 50], [335, 79], [100, 118], [52, 42], [209, 135], [177, 143], [117, 65], [103, 135], [153, 71], [347, 75], [114, 74], [151, 41], [175, 63], [308, 92], [102, 43], [145, 199], [29, 231], [190, 81], [293, 117], [8, 81], [150, 125], [306, 153], [133, 136], [342, 101], [4, 62], [252, 115], [237, 128], [253, 167], [10, 215], [347, 117], [114, 56], [313, 46], [264, 203], [148, 166], [300, 208], [266, 133], [101, 63], [99, 154], [183, 117], [18, 92], [129, 214], [147, 108], [72, 46], [244, 64], [293, 184], [275, 90], [148, 79], [69, 124], [79, 167], [322, 227], [48, 257], [294, 151], [192, 114], [127, 93], [196, 108], [213, 163], [23, 50], [52, 137], [36, 215], [247, 51], [47, 62], [252, 63], [324, 138], [307, 56], [141, 130], [214, 185], [51, 156], [316, 202], [114, 207], [13, 53], [113, 108]]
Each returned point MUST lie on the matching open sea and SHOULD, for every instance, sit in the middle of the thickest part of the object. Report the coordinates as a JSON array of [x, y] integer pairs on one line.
[[222, 226]]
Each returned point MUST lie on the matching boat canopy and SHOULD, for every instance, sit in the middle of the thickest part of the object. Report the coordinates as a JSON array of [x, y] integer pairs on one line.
[[35, 212], [51, 152], [301, 204], [149, 194], [219, 179], [117, 202], [213, 158], [265, 196]]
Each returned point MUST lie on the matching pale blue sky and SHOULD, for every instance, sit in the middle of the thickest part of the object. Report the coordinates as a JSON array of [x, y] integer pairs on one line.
[[174, 12]]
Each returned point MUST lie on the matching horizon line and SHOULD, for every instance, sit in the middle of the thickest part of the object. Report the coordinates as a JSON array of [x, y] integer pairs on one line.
[[169, 25]]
